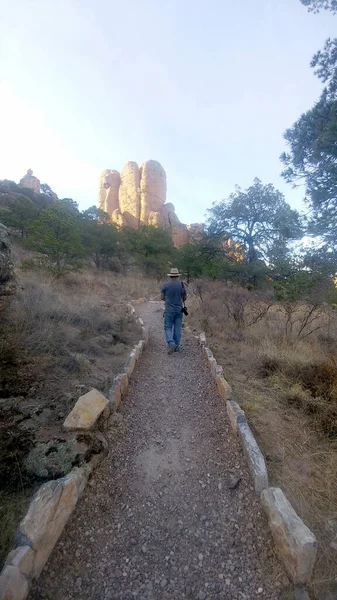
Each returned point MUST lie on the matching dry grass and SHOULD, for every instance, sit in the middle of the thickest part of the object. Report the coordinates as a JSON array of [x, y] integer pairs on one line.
[[58, 339], [287, 384]]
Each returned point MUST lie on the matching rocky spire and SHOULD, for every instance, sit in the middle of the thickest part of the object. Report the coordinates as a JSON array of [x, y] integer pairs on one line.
[[30, 181]]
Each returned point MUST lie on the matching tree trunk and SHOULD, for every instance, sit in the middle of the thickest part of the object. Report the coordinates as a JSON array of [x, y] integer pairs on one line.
[[251, 255]]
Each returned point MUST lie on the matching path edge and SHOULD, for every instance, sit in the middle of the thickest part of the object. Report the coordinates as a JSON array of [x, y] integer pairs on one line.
[[54, 502], [295, 543]]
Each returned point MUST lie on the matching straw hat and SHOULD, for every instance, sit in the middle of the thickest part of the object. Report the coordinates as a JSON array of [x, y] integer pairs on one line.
[[174, 273]]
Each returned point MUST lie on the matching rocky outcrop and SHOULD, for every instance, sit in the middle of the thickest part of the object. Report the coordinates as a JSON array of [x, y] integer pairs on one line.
[[129, 194], [153, 193], [11, 193], [7, 279], [180, 235], [137, 196], [171, 218], [195, 232], [30, 181], [108, 191]]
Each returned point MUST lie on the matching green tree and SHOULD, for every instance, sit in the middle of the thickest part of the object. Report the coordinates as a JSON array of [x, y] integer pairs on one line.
[[70, 205], [96, 214], [20, 214], [47, 191], [321, 261], [311, 159], [317, 5], [255, 218], [151, 247], [191, 261], [101, 238], [56, 234], [312, 152], [325, 64], [211, 257]]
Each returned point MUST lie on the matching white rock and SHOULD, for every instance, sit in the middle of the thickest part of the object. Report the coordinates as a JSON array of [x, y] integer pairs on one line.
[[233, 411], [13, 584], [295, 543], [48, 513], [23, 558], [255, 460], [202, 339], [86, 411], [224, 388]]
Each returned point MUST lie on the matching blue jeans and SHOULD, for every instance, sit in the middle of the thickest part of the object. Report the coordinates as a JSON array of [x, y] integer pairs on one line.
[[172, 326]]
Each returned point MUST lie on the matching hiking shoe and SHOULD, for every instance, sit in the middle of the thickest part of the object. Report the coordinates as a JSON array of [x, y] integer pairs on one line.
[[172, 348], [177, 349]]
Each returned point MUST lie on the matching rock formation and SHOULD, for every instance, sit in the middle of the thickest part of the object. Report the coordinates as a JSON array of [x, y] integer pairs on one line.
[[180, 235], [7, 279], [137, 196], [152, 194], [108, 195], [129, 194], [30, 181]]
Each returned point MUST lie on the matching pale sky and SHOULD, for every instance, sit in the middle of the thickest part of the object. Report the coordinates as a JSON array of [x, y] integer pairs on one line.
[[205, 88]]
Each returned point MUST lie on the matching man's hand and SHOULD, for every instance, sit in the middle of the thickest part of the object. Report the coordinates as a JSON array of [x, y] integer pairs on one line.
[[162, 297]]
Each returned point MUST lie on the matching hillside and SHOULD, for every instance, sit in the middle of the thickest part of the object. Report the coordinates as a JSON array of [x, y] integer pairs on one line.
[[58, 339], [267, 307]]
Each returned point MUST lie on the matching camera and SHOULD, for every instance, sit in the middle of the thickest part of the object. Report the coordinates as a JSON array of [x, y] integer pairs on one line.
[[185, 311]]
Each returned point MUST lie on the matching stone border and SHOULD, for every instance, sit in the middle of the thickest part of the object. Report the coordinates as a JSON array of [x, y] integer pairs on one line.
[[296, 545], [54, 502], [121, 381]]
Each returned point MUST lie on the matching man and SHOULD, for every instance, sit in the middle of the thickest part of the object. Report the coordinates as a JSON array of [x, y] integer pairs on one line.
[[174, 294]]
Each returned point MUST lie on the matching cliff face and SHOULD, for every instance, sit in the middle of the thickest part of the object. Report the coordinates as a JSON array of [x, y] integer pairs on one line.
[[137, 196], [129, 194]]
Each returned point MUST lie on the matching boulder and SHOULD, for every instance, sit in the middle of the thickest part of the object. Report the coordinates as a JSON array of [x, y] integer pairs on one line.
[[55, 458], [129, 196], [7, 279], [86, 411], [152, 189]]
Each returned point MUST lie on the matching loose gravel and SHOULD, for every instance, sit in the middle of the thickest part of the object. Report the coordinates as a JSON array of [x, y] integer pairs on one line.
[[171, 513]]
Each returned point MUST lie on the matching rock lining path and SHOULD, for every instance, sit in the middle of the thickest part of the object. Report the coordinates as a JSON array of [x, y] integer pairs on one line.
[[158, 520]]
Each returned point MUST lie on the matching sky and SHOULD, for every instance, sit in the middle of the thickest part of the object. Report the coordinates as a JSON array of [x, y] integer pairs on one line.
[[205, 88]]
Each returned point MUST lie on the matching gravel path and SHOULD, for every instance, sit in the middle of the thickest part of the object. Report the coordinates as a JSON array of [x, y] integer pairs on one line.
[[158, 520]]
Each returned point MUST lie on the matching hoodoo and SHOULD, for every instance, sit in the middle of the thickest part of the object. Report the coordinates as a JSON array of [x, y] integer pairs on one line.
[[137, 196]]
